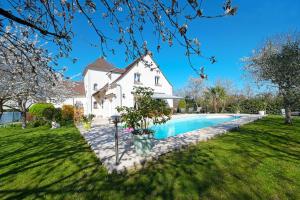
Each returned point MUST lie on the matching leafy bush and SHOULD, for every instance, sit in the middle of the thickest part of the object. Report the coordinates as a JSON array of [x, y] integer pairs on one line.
[[41, 110], [270, 103], [233, 108], [274, 106], [48, 113], [147, 109], [38, 123], [253, 106], [57, 115], [67, 113], [78, 114], [190, 103], [182, 103]]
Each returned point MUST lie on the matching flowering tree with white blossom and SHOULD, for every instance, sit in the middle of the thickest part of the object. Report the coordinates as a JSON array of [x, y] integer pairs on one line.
[[26, 74], [5, 93], [170, 22]]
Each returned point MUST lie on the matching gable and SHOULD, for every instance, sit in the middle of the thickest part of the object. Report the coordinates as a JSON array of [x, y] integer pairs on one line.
[[148, 63]]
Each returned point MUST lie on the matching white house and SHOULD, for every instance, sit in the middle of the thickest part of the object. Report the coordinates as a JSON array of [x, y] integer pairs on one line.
[[78, 98], [107, 87]]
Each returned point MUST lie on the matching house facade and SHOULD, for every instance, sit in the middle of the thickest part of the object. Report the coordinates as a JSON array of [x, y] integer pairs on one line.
[[107, 87], [78, 97]]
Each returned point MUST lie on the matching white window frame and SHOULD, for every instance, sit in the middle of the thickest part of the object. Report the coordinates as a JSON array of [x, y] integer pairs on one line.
[[95, 86], [137, 78], [156, 80], [95, 105]]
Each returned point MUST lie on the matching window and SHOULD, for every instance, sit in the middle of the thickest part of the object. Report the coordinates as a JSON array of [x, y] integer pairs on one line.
[[137, 77], [156, 79], [95, 86], [95, 105]]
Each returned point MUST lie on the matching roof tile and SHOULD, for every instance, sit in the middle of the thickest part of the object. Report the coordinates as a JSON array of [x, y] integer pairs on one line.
[[102, 65]]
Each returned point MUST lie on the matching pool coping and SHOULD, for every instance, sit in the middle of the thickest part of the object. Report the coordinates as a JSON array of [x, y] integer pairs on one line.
[[101, 140]]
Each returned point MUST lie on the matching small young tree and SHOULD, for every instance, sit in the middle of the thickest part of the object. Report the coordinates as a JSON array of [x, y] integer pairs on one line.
[[195, 89], [146, 108], [277, 63]]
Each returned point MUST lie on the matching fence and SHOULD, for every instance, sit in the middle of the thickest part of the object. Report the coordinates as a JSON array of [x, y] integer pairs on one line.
[[9, 117]]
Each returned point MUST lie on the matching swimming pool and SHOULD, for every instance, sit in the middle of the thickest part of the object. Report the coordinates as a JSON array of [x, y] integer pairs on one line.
[[182, 125]]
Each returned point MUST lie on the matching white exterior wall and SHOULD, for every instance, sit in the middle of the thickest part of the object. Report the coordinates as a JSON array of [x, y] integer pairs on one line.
[[147, 80], [72, 101], [127, 84], [101, 78]]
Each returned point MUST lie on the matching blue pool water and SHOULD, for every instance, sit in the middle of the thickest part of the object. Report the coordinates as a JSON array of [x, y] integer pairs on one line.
[[179, 126]]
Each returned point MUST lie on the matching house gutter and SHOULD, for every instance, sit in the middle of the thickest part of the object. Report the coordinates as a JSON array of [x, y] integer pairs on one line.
[[121, 94]]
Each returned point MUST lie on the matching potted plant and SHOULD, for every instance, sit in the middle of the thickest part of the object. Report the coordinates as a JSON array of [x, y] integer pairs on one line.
[[182, 105], [137, 119], [87, 121]]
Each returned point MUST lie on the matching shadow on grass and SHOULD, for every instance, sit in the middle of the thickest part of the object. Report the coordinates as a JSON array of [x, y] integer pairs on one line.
[[258, 161]]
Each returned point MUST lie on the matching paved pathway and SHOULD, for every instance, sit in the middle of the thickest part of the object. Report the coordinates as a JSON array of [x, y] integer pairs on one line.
[[101, 140]]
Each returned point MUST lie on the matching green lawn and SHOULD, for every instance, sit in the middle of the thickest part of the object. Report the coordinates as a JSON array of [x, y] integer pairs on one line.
[[259, 161]]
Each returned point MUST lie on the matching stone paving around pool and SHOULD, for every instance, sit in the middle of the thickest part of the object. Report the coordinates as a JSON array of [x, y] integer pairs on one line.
[[101, 140]]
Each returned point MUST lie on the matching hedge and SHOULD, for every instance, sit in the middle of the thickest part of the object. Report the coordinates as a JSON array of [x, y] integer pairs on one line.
[[41, 110]]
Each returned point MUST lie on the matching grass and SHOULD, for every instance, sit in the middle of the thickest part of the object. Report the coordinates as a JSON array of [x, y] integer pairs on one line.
[[259, 161]]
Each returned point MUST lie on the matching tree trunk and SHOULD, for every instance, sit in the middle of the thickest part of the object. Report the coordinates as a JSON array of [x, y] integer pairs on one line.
[[1, 108], [215, 106], [288, 115], [23, 119], [287, 107], [22, 108]]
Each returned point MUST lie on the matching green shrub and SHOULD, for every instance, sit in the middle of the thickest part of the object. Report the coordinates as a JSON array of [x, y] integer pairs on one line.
[[57, 115], [67, 113], [41, 110], [233, 108], [38, 123], [271, 104], [253, 106], [48, 113], [274, 106], [138, 117], [182, 103]]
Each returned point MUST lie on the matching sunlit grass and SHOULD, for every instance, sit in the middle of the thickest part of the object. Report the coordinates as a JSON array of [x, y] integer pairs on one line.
[[259, 161]]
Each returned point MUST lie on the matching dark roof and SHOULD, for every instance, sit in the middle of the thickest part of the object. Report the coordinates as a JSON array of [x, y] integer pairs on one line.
[[77, 87], [102, 65]]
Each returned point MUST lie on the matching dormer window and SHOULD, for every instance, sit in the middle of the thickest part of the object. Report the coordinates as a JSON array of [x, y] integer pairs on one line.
[[95, 86], [137, 78], [156, 80]]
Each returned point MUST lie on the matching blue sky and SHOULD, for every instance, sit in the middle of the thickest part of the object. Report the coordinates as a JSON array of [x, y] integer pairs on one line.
[[229, 39]]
